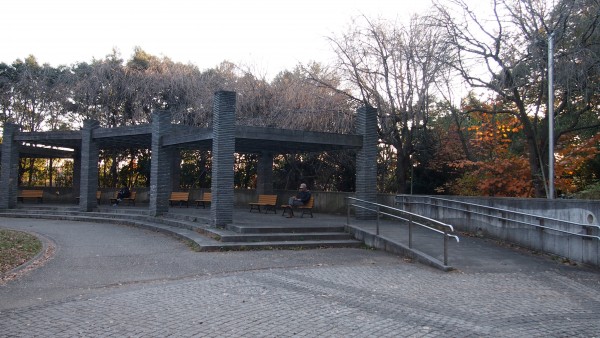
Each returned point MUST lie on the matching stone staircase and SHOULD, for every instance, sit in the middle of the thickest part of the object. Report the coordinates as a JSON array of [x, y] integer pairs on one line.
[[260, 234]]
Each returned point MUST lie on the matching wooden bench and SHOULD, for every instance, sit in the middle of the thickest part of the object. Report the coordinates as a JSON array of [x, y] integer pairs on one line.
[[267, 201], [38, 194], [98, 195], [306, 209], [180, 198], [130, 199], [206, 198]]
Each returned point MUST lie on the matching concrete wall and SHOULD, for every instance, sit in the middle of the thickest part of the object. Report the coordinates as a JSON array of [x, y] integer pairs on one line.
[[512, 220], [526, 222], [326, 202]]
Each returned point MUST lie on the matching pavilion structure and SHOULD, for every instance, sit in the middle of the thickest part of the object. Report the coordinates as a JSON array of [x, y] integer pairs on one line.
[[165, 140]]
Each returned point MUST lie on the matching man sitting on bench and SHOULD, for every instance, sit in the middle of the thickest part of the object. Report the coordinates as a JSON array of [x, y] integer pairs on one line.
[[123, 193], [301, 198]]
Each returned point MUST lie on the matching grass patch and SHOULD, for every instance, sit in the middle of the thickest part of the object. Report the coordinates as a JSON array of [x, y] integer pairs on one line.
[[17, 248]]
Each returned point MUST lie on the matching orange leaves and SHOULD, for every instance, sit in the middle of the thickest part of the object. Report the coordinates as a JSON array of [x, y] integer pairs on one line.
[[494, 129], [495, 170], [505, 177], [572, 153], [501, 177]]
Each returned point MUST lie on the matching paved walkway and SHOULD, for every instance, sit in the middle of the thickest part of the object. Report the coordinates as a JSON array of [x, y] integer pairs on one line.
[[110, 280]]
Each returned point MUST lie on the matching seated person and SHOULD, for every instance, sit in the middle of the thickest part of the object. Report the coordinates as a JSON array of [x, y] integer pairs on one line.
[[123, 193], [301, 198]]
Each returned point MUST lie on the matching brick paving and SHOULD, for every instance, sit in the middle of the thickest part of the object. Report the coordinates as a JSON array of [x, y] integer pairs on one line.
[[109, 280]]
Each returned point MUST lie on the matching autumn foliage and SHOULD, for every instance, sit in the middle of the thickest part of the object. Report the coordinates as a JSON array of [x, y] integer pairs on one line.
[[495, 168], [572, 154], [495, 162]]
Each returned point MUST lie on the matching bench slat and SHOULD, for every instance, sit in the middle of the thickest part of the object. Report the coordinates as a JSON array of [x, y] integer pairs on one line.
[[206, 198], [306, 209], [130, 199], [179, 197], [39, 194]]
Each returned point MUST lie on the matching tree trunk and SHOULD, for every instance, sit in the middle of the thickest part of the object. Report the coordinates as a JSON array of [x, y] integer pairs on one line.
[[535, 160], [461, 135], [402, 166]]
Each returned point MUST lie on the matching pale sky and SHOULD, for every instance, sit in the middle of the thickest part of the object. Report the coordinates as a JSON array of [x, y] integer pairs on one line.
[[268, 35]]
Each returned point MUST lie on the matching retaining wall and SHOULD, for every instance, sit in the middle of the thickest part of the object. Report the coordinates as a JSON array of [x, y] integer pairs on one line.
[[567, 228]]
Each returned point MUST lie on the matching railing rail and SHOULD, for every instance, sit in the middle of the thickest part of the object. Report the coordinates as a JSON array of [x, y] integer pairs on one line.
[[406, 216], [543, 219]]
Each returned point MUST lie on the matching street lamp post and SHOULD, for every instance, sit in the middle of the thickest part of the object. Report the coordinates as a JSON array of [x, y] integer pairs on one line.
[[550, 116]]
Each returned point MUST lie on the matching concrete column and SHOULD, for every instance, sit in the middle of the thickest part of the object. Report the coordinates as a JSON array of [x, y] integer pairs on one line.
[[9, 175], [89, 167], [222, 158], [264, 173], [366, 160], [161, 164]]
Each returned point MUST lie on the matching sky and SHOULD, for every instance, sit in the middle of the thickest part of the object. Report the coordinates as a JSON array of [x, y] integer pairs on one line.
[[266, 35]]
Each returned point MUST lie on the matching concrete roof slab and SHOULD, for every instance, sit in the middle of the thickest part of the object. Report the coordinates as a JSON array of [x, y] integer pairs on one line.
[[247, 139]]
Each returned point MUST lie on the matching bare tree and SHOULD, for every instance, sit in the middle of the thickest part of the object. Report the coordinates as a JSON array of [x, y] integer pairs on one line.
[[505, 52], [299, 103], [393, 67]]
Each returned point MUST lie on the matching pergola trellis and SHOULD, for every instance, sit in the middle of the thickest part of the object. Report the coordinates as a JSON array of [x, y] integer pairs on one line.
[[165, 139]]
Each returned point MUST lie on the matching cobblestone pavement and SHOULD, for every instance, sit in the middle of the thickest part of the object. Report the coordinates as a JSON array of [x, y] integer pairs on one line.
[[140, 283]]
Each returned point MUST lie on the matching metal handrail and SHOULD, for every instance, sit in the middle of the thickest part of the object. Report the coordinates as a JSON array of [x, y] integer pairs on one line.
[[510, 219], [517, 212], [376, 207]]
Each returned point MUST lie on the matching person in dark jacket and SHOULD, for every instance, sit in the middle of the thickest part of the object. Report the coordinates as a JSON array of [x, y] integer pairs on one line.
[[123, 193], [302, 197]]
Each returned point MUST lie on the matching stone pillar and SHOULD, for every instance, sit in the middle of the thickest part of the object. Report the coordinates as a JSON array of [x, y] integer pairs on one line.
[[89, 167], [9, 175], [366, 160], [222, 158], [264, 173], [161, 163]]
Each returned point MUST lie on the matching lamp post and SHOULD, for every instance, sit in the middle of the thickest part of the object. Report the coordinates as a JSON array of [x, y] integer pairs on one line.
[[550, 116]]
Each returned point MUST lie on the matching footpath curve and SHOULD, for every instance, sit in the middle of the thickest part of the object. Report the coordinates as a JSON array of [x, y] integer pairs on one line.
[[108, 279]]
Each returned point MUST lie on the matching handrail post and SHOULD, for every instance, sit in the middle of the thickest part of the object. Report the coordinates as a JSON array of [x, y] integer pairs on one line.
[[410, 226], [348, 211], [445, 247], [377, 230]]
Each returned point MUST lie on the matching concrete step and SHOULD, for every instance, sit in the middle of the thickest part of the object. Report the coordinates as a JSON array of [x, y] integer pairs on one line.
[[283, 245], [286, 236], [256, 229], [59, 209], [201, 235], [106, 213], [184, 217], [193, 236], [41, 206]]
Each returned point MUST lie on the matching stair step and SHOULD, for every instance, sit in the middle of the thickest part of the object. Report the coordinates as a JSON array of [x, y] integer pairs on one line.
[[283, 245], [245, 229], [285, 236], [183, 217], [198, 229]]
